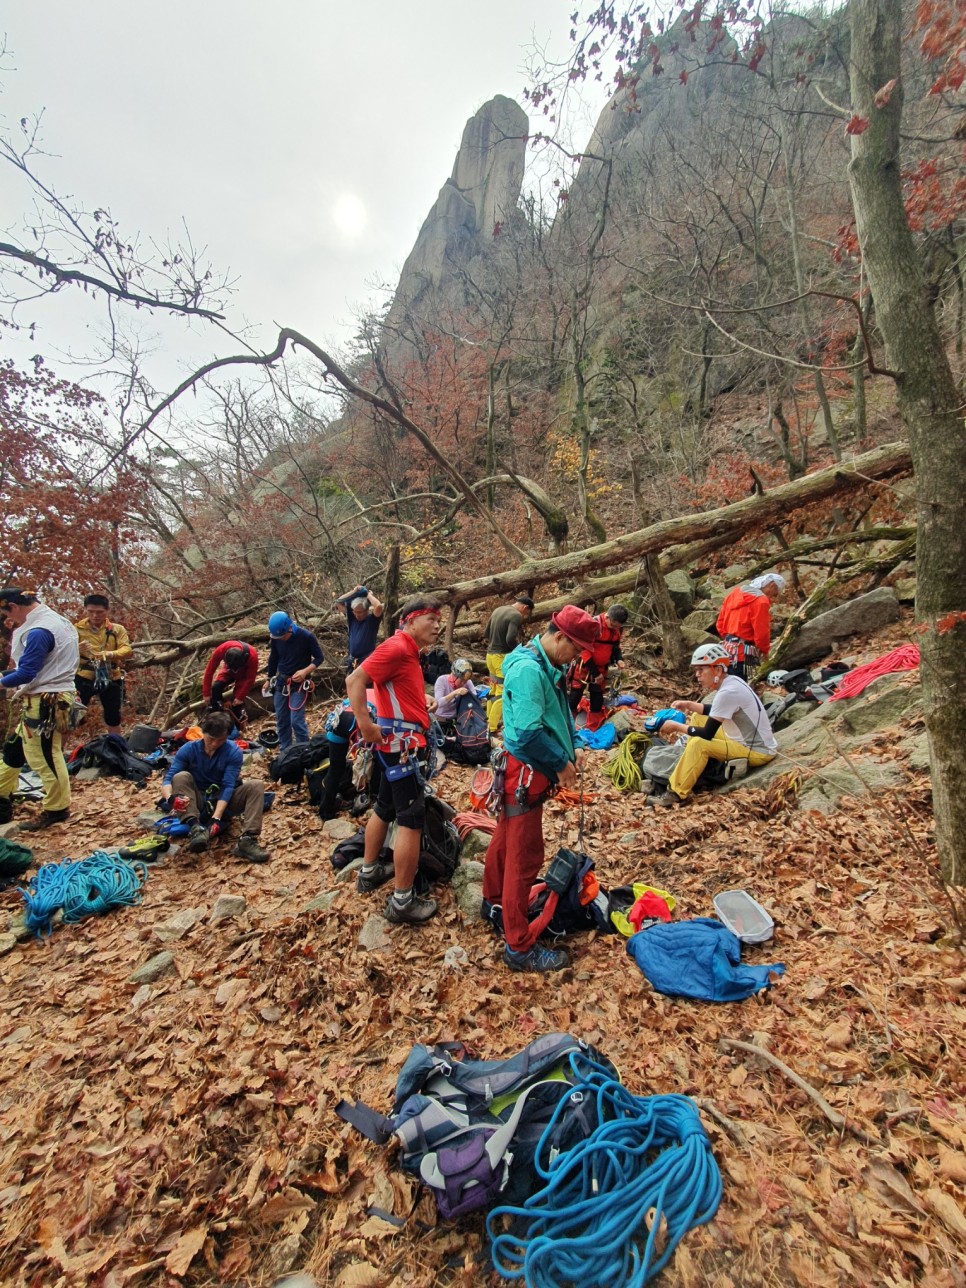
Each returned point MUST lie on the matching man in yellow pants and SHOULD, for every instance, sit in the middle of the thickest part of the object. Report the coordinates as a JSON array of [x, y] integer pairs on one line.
[[732, 726], [504, 631], [45, 652]]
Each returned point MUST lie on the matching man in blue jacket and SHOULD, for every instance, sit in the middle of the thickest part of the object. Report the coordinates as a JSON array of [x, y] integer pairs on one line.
[[538, 733], [293, 656], [207, 773]]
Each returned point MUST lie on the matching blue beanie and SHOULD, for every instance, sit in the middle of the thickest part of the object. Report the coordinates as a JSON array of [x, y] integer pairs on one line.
[[279, 624]]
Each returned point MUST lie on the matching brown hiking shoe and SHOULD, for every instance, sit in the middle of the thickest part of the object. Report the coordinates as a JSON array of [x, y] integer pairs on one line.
[[249, 848]]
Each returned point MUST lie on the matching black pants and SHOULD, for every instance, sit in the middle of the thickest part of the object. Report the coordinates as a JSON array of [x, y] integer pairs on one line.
[[112, 697]]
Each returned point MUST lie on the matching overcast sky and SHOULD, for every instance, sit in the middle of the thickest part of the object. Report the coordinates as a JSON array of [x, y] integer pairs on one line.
[[303, 142]]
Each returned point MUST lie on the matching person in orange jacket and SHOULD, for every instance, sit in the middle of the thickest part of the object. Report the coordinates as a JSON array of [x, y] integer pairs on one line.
[[593, 666], [744, 622]]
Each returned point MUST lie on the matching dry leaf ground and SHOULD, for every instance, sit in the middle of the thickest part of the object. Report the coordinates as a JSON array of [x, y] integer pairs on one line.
[[184, 1132]]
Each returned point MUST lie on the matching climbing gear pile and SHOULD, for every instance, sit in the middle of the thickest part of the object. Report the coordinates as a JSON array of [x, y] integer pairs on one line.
[[94, 885], [614, 1206]]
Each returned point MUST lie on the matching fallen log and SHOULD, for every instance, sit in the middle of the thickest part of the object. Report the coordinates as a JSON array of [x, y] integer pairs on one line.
[[719, 526]]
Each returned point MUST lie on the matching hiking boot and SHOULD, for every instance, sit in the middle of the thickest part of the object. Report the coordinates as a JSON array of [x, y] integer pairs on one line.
[[249, 848], [46, 818], [538, 961], [381, 873], [666, 800], [414, 913], [6, 810], [197, 839]]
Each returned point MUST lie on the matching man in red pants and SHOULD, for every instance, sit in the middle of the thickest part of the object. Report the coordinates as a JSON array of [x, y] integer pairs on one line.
[[538, 732]]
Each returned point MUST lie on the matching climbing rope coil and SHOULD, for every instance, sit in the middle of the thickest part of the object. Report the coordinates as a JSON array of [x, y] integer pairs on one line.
[[88, 887], [614, 1207], [624, 769]]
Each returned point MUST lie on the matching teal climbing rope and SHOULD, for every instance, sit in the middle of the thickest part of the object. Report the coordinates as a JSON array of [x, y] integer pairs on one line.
[[89, 887], [614, 1207]]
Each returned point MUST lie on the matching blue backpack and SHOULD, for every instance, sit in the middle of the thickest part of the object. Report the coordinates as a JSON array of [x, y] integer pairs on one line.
[[469, 1129]]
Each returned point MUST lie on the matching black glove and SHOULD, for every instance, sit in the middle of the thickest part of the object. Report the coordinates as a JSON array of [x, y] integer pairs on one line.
[[163, 804]]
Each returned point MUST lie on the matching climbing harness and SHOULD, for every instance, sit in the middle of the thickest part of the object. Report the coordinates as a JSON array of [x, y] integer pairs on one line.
[[94, 885], [614, 1206]]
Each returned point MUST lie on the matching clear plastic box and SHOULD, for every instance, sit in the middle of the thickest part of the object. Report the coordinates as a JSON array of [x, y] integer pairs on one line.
[[744, 916]]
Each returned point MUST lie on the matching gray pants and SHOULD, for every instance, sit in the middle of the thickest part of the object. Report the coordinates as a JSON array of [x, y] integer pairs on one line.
[[248, 800]]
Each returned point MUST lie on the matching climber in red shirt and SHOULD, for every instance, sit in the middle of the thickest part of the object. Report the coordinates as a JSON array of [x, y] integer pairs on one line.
[[232, 663]]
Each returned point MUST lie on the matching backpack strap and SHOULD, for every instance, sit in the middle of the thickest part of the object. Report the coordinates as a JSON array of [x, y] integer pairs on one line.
[[375, 1127]]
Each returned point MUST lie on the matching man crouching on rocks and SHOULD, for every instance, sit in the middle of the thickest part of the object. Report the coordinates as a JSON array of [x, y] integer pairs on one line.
[[397, 733], [206, 774]]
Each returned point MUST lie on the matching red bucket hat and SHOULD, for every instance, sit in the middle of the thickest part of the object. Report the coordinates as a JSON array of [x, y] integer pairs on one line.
[[579, 627]]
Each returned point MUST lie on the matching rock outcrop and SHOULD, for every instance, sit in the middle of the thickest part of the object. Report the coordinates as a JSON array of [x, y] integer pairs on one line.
[[481, 193], [820, 636]]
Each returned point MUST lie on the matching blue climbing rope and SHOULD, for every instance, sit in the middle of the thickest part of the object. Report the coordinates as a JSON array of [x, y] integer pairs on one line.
[[614, 1207], [85, 888]]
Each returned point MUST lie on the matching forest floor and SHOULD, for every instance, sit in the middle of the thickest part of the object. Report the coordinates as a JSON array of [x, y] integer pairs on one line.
[[184, 1131]]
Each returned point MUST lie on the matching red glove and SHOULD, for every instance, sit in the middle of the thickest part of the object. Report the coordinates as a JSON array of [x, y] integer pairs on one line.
[[215, 828]]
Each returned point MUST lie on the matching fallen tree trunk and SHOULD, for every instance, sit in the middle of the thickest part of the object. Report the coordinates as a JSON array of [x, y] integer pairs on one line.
[[720, 526]]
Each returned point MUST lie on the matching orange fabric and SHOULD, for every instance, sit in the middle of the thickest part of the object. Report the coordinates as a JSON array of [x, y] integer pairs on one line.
[[748, 615]]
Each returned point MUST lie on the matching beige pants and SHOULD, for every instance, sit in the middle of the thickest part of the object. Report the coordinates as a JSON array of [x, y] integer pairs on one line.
[[247, 800]]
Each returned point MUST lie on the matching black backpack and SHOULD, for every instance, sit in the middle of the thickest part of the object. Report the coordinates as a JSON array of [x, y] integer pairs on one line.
[[289, 766], [434, 664], [111, 753], [439, 854], [471, 745]]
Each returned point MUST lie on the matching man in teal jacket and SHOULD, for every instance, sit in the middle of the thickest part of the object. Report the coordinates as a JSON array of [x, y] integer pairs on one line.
[[538, 733]]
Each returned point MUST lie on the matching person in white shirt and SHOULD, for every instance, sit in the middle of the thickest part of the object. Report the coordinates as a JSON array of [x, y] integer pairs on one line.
[[732, 726]]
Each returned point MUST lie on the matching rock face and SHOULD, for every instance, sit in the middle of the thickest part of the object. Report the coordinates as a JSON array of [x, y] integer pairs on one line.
[[819, 637], [481, 193]]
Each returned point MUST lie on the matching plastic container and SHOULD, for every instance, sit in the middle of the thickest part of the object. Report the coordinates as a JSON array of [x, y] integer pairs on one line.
[[744, 916]]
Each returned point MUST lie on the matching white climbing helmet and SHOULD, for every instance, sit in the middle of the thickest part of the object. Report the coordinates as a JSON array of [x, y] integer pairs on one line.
[[710, 655], [776, 679]]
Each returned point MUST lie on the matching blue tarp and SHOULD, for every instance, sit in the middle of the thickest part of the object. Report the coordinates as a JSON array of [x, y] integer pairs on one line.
[[699, 959], [598, 739]]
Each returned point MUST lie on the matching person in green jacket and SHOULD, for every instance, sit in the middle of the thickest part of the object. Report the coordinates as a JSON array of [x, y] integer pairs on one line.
[[538, 733]]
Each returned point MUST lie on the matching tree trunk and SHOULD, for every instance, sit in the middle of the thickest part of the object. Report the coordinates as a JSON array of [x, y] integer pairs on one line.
[[929, 406]]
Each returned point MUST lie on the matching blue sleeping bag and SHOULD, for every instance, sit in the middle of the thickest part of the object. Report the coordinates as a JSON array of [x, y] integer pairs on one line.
[[699, 959]]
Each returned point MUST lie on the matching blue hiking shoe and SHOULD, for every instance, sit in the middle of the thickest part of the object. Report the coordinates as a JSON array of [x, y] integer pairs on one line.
[[538, 961]]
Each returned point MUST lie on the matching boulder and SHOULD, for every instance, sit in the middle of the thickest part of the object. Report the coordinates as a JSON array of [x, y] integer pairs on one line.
[[177, 927], [821, 635], [475, 845], [681, 589], [322, 902], [919, 753], [227, 906], [701, 619], [879, 709], [340, 829], [153, 968], [905, 589], [374, 935]]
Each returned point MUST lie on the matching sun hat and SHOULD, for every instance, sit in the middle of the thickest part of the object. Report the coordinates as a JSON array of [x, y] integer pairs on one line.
[[578, 626]]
